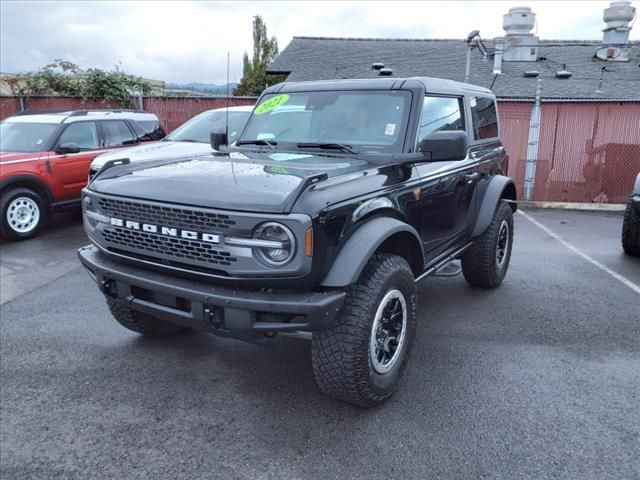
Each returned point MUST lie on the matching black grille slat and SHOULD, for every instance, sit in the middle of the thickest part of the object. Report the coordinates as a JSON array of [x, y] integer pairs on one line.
[[183, 218], [178, 248]]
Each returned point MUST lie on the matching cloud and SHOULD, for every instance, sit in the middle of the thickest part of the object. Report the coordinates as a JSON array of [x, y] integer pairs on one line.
[[189, 41]]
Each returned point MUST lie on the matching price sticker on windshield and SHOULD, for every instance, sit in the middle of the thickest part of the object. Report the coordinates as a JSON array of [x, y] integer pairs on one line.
[[270, 104]]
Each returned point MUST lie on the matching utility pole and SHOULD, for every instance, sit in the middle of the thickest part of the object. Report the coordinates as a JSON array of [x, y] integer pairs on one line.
[[532, 146]]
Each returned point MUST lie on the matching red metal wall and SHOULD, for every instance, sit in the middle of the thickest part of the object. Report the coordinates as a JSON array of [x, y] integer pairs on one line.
[[9, 106], [588, 152], [514, 131], [172, 111]]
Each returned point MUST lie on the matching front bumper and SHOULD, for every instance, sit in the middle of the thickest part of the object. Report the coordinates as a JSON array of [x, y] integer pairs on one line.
[[201, 306]]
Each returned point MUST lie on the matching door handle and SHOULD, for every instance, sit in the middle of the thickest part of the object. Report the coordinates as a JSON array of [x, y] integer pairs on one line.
[[471, 177]]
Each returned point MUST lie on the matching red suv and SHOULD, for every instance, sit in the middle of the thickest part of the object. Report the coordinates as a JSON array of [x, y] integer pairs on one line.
[[45, 159]]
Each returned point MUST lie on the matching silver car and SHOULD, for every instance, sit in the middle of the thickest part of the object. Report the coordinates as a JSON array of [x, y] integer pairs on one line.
[[190, 138]]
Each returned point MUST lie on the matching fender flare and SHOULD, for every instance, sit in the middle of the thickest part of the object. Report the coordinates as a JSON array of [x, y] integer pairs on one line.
[[492, 195], [354, 255], [26, 178]]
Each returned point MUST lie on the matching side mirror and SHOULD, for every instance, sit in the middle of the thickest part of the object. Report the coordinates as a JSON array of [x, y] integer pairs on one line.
[[68, 148], [445, 146], [218, 138]]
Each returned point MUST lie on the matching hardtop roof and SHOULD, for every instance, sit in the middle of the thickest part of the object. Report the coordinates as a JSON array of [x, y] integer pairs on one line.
[[431, 85]]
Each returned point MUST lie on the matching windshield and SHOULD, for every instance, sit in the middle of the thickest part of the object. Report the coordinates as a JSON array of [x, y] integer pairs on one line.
[[199, 128], [367, 121], [25, 137]]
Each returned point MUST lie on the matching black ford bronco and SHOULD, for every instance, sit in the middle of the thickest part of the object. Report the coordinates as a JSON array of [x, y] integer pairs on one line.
[[336, 199]]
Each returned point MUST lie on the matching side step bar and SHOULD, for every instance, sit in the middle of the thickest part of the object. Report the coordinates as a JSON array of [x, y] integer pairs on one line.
[[443, 261]]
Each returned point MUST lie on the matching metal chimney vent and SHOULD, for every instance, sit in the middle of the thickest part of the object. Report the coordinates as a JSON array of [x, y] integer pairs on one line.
[[520, 45], [615, 39], [385, 72], [377, 66]]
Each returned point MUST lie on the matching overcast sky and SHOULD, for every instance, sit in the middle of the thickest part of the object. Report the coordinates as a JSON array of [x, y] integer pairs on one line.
[[188, 41]]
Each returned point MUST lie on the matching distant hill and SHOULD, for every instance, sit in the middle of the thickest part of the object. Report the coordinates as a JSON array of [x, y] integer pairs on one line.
[[199, 87]]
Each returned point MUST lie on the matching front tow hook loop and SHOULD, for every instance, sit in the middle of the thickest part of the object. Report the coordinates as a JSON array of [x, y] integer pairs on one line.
[[105, 287]]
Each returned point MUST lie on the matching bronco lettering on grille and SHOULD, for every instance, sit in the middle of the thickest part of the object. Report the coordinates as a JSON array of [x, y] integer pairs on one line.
[[170, 232]]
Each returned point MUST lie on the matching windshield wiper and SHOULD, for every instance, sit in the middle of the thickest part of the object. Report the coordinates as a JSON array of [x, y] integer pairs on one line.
[[189, 140], [260, 141], [343, 147]]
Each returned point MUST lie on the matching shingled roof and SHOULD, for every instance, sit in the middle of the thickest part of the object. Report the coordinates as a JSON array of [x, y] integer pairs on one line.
[[323, 58]]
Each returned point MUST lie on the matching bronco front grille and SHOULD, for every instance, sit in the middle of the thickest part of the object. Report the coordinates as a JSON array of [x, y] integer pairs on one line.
[[178, 248], [187, 238], [179, 217]]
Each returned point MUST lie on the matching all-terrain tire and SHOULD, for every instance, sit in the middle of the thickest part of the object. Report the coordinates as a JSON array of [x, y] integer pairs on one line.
[[142, 323], [481, 266], [342, 354], [23, 212], [631, 231]]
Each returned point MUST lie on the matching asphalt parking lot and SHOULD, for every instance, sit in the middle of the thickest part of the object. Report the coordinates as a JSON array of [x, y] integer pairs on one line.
[[537, 379]]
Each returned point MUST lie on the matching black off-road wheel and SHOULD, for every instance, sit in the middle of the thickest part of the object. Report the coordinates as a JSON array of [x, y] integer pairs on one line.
[[23, 213], [631, 230], [142, 323], [486, 262], [362, 356]]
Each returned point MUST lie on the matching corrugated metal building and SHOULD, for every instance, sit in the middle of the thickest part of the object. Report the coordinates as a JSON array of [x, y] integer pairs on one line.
[[589, 95]]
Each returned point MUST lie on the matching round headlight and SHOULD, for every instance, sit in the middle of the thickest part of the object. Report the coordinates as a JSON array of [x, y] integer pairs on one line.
[[279, 243]]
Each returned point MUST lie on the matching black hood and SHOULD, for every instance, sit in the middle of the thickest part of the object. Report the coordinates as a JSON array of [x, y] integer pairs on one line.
[[247, 181]]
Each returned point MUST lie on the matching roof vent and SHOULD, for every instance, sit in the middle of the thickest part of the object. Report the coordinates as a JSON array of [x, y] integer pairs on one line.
[[385, 72], [563, 73], [615, 40], [377, 66], [531, 73], [520, 45]]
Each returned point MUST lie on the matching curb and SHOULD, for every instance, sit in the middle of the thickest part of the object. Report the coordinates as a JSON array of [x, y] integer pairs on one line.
[[585, 207]]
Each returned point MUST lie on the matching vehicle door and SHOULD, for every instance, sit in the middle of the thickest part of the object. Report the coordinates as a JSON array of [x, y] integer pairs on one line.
[[69, 170], [446, 189]]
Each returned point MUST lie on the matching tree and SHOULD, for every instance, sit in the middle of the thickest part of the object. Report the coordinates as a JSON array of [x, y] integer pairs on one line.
[[254, 71], [65, 78]]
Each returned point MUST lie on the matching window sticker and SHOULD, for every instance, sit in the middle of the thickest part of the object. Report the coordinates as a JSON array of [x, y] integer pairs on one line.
[[270, 104], [390, 129], [40, 141], [265, 136]]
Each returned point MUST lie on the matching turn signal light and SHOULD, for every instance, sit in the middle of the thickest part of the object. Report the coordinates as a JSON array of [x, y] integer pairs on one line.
[[308, 242]]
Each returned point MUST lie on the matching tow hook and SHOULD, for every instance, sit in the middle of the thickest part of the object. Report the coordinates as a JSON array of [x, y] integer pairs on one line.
[[212, 317], [106, 287]]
